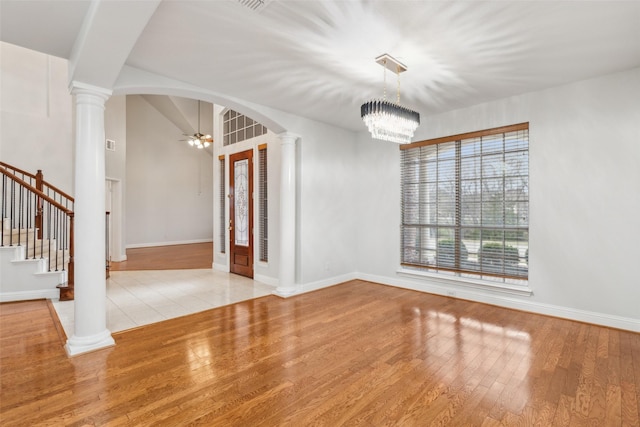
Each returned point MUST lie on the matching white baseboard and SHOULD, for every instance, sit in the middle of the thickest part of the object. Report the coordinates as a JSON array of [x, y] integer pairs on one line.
[[30, 295], [271, 281], [178, 242], [314, 286], [502, 300], [220, 267]]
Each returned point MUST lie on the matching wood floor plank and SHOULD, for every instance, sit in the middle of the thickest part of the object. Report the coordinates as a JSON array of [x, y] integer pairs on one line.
[[353, 354], [172, 257]]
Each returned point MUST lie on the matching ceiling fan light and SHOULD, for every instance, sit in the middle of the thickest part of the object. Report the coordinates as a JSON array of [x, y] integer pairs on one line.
[[198, 139]]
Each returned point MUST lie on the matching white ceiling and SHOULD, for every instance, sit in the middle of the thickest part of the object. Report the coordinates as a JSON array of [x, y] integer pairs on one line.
[[316, 58]]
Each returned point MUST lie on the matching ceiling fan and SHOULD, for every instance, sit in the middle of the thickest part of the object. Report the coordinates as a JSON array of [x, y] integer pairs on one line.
[[198, 140]]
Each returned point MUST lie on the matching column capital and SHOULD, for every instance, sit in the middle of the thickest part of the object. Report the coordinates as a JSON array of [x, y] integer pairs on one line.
[[288, 137], [80, 88]]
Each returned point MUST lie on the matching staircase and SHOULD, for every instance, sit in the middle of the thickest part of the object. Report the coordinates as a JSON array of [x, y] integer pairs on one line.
[[36, 245]]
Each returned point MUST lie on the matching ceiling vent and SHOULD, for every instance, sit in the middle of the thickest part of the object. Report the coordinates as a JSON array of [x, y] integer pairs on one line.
[[255, 5]]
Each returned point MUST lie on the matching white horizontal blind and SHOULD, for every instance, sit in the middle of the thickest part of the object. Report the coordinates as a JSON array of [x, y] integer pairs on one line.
[[465, 204], [263, 202], [222, 204]]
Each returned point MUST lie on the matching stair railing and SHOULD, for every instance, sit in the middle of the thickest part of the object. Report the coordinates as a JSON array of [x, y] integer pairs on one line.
[[40, 219]]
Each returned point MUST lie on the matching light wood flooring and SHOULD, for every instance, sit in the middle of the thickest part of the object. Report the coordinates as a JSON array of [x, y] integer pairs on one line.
[[353, 354], [174, 257]]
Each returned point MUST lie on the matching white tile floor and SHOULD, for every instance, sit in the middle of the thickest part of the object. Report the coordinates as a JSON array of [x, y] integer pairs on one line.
[[136, 298]]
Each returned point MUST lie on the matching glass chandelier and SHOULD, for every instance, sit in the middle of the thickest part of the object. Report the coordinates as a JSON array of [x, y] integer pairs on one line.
[[386, 120]]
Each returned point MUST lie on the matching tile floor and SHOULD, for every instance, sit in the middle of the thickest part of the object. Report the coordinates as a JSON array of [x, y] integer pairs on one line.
[[136, 298]]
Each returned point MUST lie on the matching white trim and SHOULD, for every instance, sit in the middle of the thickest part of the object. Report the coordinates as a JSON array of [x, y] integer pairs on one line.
[[467, 282], [53, 294], [220, 267], [178, 242], [314, 286], [271, 281], [476, 294]]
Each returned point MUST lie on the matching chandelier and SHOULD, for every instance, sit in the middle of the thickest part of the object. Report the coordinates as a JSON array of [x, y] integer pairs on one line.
[[386, 120], [198, 139]]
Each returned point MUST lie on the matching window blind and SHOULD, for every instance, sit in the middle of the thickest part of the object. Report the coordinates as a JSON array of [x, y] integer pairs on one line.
[[222, 244], [465, 204], [263, 203]]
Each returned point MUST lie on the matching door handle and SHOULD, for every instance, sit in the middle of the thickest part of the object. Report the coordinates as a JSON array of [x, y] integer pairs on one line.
[[230, 225]]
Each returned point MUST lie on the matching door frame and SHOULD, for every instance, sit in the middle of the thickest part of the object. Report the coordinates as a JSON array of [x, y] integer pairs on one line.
[[240, 252], [113, 190]]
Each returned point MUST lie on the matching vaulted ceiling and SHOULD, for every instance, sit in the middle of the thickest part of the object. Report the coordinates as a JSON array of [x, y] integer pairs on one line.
[[316, 58]]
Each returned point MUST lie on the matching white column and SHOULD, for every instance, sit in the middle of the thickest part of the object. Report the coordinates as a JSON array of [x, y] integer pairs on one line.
[[286, 286], [90, 321]]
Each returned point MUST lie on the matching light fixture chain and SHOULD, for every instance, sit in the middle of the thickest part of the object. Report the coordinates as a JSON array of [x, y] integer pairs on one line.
[[398, 74], [385, 80]]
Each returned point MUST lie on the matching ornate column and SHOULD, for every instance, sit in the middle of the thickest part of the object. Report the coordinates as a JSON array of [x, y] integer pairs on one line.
[[90, 321], [287, 286]]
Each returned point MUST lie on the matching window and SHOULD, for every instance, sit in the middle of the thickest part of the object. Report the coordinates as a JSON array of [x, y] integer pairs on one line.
[[221, 189], [465, 204], [237, 127], [263, 201]]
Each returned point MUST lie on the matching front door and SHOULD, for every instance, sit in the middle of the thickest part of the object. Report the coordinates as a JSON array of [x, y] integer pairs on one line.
[[241, 212]]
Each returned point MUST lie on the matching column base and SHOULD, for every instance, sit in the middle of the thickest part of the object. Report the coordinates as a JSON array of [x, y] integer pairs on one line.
[[78, 345], [286, 292]]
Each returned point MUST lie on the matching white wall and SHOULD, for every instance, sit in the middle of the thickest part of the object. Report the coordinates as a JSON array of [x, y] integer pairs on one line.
[[169, 184], [327, 220], [115, 127], [36, 114], [585, 199]]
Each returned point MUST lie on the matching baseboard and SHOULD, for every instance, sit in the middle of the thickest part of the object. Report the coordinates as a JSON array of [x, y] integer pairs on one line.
[[320, 284], [271, 281], [220, 267], [502, 300], [30, 295], [178, 242]]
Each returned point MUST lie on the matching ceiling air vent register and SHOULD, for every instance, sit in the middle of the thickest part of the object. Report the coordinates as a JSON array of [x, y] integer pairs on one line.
[[255, 5]]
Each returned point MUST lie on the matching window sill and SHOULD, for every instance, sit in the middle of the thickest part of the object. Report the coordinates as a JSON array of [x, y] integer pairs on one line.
[[466, 282]]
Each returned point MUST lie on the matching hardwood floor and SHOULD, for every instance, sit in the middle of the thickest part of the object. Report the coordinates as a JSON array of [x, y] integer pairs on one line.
[[353, 354], [174, 257]]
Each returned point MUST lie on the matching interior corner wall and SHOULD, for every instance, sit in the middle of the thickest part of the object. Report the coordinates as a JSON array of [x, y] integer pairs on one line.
[[327, 221], [169, 184], [36, 114], [584, 199]]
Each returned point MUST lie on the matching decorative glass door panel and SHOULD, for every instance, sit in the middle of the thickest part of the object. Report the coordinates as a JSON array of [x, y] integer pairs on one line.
[[241, 202]]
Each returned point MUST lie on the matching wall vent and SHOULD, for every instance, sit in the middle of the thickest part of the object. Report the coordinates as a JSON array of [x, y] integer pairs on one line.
[[255, 5], [110, 145]]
